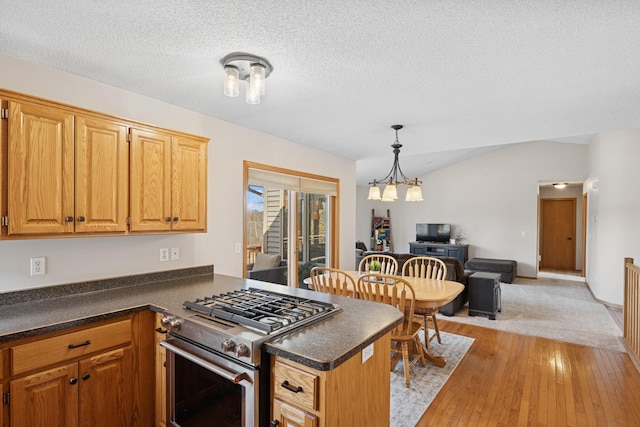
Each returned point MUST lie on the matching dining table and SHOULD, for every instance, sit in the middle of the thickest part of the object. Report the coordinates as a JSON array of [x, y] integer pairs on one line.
[[429, 294]]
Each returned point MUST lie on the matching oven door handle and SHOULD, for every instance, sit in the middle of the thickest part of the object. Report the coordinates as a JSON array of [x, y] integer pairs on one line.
[[234, 377]]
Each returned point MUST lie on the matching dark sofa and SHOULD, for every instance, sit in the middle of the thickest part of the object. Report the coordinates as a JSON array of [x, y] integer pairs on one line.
[[455, 272], [271, 275]]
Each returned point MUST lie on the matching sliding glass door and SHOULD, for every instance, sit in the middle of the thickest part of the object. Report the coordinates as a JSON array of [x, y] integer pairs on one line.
[[283, 203]]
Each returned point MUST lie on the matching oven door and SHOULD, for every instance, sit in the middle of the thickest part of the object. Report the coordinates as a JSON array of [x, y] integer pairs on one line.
[[204, 388]]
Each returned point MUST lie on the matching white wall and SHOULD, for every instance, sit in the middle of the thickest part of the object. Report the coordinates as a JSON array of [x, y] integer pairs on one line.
[[492, 199], [612, 224], [80, 259]]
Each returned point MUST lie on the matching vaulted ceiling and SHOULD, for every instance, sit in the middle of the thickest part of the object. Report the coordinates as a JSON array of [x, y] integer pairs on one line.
[[463, 77]]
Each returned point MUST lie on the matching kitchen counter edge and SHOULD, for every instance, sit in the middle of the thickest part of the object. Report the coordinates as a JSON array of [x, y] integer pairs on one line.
[[322, 346]]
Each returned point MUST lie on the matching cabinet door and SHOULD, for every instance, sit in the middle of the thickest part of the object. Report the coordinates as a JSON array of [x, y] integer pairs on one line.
[[290, 416], [102, 176], [150, 181], [161, 375], [45, 399], [106, 389], [189, 184], [40, 169], [3, 170]]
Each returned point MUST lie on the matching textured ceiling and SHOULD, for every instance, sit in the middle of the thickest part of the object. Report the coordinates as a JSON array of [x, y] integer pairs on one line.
[[462, 76]]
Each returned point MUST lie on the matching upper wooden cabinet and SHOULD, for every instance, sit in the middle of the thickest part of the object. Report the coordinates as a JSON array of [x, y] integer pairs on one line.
[[66, 171], [40, 168], [102, 176], [168, 182]]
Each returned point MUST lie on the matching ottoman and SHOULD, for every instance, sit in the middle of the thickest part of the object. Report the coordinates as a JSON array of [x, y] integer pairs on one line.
[[484, 294], [507, 268]]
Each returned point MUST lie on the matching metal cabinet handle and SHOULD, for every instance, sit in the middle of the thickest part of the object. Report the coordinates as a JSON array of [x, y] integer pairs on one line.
[[161, 331], [87, 342], [289, 387], [275, 423], [86, 376], [73, 381], [69, 219], [80, 219], [168, 219], [175, 219]]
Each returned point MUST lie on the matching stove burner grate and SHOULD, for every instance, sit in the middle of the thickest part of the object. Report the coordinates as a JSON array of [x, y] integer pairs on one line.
[[262, 310]]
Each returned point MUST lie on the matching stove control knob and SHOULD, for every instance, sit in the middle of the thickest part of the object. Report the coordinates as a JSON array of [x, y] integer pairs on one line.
[[242, 350], [174, 324], [228, 346], [165, 321]]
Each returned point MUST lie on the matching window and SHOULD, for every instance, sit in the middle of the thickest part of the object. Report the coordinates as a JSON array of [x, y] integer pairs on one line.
[[281, 203]]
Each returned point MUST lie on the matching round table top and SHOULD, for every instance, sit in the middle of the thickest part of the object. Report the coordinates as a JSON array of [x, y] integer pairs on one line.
[[430, 293]]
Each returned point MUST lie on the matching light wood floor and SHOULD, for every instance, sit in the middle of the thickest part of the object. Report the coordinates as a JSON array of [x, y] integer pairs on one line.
[[507, 379]]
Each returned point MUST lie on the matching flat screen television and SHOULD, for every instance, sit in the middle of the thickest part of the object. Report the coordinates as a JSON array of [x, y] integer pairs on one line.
[[440, 233]]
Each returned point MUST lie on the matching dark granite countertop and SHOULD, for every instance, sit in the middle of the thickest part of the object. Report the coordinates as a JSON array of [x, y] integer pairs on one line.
[[322, 345]]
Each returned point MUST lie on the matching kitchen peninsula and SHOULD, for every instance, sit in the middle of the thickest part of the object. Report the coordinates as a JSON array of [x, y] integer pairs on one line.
[[345, 353]]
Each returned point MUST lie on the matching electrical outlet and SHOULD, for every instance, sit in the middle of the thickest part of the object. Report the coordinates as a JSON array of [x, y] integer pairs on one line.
[[164, 254], [175, 254], [38, 266]]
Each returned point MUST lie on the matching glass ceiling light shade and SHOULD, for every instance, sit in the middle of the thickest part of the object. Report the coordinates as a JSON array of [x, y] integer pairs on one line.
[[394, 178], [374, 191], [560, 185], [390, 193], [231, 81], [414, 193], [250, 68]]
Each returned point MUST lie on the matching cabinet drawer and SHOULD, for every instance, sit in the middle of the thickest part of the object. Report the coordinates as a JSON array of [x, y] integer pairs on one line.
[[289, 415], [295, 386], [53, 350]]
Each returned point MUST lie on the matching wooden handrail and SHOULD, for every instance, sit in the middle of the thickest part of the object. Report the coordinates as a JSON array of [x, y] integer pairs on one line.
[[632, 310]]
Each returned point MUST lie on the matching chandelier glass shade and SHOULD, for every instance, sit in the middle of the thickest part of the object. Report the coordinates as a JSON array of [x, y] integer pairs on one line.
[[394, 178], [246, 67]]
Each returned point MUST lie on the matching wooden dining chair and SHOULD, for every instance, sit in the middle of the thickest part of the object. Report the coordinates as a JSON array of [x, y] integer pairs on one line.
[[396, 291], [388, 264], [332, 281], [429, 268]]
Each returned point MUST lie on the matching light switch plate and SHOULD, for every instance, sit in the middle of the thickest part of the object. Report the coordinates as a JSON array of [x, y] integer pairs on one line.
[[367, 352]]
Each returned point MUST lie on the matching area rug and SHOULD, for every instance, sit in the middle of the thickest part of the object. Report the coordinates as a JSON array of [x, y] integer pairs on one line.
[[408, 404], [562, 310]]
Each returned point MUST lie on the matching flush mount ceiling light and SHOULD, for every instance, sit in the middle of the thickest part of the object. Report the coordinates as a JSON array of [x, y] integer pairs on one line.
[[560, 185], [250, 68], [394, 178]]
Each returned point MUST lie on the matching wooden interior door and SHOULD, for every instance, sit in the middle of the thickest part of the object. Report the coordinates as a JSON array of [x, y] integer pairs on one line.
[[558, 240]]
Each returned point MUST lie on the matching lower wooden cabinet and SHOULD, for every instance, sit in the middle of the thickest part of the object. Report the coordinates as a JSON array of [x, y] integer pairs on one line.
[[161, 375], [290, 416], [355, 393], [95, 391], [97, 375]]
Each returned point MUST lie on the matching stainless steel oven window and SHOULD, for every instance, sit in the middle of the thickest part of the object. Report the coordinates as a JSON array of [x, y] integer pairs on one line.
[[205, 389]]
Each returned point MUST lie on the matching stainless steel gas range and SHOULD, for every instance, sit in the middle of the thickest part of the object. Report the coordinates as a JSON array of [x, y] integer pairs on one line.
[[215, 374]]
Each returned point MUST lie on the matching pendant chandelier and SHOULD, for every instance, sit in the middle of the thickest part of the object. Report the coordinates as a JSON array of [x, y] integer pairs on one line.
[[394, 178]]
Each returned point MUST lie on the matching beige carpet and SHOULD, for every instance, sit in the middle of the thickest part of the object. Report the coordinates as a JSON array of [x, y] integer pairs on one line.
[[563, 310]]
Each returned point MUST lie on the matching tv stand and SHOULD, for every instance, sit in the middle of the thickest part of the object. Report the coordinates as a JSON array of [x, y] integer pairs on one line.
[[440, 249]]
